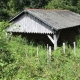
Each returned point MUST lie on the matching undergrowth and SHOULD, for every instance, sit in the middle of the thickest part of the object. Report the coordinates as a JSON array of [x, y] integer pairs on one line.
[[19, 61]]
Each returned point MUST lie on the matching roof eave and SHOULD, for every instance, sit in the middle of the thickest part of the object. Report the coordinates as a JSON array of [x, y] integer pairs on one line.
[[16, 16]]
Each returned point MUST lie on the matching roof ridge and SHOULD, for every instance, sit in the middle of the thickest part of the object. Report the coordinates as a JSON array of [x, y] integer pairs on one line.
[[45, 9]]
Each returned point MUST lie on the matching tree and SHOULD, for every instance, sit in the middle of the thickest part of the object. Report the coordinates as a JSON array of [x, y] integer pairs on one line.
[[62, 4], [3, 10], [78, 6], [8, 8], [38, 3]]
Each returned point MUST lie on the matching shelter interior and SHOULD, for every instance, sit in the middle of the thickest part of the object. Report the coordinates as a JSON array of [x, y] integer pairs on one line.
[[66, 35]]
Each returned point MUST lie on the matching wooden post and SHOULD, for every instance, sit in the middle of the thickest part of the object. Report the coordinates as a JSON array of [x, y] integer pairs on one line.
[[55, 41], [49, 56], [47, 51], [63, 47], [50, 53], [74, 47]]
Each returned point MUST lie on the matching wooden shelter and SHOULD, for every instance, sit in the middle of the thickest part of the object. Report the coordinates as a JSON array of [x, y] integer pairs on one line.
[[51, 23]]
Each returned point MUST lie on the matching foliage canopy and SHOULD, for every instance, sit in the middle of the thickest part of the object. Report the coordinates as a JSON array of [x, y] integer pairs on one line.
[[9, 8]]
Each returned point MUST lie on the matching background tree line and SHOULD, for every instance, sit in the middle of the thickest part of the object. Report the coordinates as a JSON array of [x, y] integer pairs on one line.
[[9, 8]]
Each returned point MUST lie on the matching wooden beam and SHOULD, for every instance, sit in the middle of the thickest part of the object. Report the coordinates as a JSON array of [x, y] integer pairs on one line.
[[51, 38], [54, 39]]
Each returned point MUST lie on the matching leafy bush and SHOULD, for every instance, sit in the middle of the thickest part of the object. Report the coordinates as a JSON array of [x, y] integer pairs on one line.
[[19, 61]]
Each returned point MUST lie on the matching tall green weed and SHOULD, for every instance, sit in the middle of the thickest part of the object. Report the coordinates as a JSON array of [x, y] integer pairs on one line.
[[19, 61]]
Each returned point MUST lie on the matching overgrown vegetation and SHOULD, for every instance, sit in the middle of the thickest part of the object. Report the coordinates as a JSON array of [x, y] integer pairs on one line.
[[19, 61], [18, 58]]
